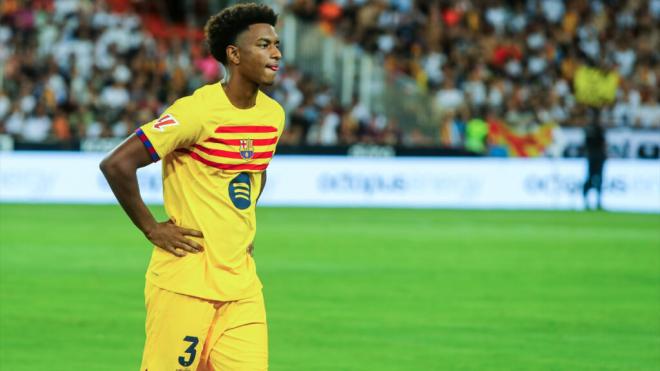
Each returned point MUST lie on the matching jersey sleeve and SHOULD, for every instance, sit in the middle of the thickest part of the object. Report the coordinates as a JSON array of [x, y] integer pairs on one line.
[[178, 127], [280, 125], [282, 121]]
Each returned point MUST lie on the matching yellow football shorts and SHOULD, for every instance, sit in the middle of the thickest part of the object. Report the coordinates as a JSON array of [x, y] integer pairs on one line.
[[185, 333]]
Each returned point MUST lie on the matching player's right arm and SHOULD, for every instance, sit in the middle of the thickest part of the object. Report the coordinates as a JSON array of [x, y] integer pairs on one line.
[[120, 169]]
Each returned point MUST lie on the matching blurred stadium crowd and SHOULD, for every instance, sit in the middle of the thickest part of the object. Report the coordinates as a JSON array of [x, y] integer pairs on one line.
[[512, 59], [74, 69]]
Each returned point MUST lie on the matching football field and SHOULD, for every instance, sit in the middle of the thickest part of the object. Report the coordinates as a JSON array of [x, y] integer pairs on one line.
[[355, 289]]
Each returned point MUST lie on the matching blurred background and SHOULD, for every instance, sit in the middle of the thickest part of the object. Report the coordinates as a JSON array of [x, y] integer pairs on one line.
[[386, 79], [458, 78], [421, 209]]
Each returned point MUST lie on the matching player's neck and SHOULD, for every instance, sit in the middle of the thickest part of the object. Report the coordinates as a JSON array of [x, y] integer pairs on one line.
[[240, 92]]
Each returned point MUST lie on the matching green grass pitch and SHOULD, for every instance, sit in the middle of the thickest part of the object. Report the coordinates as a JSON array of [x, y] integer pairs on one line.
[[355, 289]]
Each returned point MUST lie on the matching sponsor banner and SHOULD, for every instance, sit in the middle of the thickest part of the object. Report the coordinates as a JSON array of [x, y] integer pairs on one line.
[[629, 185], [632, 185], [65, 177], [621, 143]]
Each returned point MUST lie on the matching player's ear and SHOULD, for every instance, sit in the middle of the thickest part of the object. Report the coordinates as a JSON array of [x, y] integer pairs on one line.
[[233, 55]]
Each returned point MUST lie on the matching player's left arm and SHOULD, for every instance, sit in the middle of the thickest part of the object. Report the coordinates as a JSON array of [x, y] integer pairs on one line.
[[279, 134], [264, 176], [263, 184], [250, 248]]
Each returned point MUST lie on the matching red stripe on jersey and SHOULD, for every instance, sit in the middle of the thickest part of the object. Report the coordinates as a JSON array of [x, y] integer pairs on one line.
[[246, 129], [226, 166], [237, 142], [230, 154]]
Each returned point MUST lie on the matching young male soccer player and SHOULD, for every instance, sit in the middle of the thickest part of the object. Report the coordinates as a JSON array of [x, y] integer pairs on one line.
[[205, 309]]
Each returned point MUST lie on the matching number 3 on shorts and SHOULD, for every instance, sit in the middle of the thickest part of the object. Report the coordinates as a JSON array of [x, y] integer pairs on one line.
[[191, 351]]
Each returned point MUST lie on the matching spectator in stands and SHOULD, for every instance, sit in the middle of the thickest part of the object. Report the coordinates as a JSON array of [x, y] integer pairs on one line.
[[15, 120], [5, 105], [37, 125], [329, 126], [61, 127]]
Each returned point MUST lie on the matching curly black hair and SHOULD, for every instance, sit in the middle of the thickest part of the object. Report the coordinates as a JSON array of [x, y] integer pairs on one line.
[[222, 29]]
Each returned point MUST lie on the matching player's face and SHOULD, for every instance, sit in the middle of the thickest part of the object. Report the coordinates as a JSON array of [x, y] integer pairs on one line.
[[260, 54]]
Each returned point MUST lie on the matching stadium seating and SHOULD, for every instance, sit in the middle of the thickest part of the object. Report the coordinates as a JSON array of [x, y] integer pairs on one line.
[[74, 71]]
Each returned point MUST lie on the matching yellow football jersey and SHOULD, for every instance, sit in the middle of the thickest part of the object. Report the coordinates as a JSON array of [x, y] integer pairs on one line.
[[213, 158]]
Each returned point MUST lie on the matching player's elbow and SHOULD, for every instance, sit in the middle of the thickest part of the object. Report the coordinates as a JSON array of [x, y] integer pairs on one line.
[[110, 166], [106, 166]]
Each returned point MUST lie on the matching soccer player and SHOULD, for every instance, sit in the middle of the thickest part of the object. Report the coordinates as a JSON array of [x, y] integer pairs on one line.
[[205, 309]]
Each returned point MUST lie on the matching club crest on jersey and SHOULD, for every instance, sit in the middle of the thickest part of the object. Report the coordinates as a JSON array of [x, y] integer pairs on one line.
[[246, 149], [165, 121]]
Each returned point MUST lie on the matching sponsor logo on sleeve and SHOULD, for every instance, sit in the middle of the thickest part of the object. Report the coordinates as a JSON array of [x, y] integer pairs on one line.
[[165, 121]]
